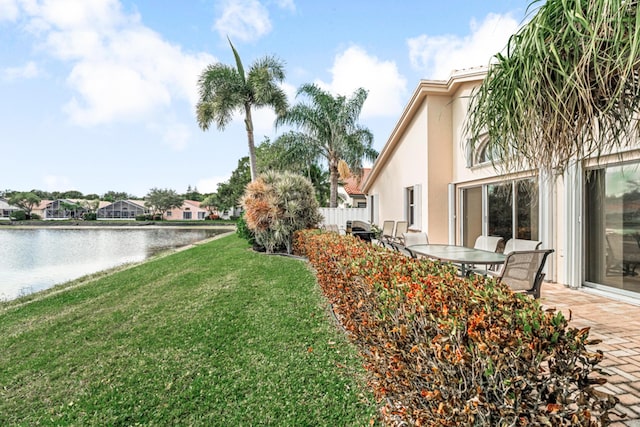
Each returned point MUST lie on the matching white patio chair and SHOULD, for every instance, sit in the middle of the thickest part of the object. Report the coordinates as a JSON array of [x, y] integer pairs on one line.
[[522, 271], [386, 235], [410, 239]]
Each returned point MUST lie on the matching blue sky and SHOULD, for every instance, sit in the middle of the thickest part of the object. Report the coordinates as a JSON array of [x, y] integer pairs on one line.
[[99, 95]]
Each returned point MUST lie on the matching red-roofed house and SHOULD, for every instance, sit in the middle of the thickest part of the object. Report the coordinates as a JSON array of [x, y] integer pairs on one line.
[[350, 192]]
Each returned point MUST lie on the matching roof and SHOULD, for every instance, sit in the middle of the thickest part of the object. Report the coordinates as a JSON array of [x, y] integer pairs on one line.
[[424, 89], [352, 185]]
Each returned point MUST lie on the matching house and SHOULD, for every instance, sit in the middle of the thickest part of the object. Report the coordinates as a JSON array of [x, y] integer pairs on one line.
[[426, 175], [62, 209], [350, 193], [190, 209], [122, 209], [6, 209]]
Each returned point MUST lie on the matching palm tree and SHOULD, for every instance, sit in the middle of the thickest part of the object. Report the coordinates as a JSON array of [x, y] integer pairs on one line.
[[225, 90], [568, 86], [328, 129]]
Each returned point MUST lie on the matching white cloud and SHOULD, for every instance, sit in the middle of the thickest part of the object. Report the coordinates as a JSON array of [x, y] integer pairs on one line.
[[243, 20], [286, 4], [8, 10], [355, 68], [438, 56], [121, 70], [210, 184], [27, 71]]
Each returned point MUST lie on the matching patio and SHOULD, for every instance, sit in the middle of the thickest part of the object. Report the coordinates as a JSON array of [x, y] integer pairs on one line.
[[617, 323]]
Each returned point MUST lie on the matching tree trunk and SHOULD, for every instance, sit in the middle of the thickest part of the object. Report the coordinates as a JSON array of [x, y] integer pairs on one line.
[[252, 147], [333, 179]]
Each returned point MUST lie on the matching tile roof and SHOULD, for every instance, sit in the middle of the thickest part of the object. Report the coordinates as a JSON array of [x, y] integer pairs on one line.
[[352, 184]]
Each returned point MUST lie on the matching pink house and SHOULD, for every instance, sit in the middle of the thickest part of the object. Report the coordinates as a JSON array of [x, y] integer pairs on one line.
[[189, 210]]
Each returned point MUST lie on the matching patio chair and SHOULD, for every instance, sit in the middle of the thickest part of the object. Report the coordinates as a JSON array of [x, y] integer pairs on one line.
[[410, 239], [387, 233], [361, 229], [522, 271], [402, 227], [488, 243], [521, 245]]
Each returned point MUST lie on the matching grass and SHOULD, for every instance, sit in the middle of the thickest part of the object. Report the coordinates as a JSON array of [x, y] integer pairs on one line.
[[215, 335]]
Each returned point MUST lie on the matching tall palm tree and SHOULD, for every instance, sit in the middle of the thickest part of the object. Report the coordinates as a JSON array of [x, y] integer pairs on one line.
[[568, 86], [328, 128], [225, 90]]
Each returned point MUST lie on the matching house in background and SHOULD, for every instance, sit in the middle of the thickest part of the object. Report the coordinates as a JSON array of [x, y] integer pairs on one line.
[[349, 192], [63, 209], [425, 174], [122, 209], [6, 209], [190, 210]]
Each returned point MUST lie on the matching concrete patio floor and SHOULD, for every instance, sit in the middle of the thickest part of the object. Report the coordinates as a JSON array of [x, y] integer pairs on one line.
[[616, 322]]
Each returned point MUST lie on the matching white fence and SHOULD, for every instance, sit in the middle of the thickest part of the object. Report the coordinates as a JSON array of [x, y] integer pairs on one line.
[[340, 216]]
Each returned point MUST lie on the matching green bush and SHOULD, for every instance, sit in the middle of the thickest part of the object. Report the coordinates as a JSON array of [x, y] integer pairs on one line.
[[18, 215], [244, 232], [447, 351], [35, 216], [89, 216]]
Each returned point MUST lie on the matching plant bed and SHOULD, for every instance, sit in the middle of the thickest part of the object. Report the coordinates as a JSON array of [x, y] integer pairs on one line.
[[447, 351]]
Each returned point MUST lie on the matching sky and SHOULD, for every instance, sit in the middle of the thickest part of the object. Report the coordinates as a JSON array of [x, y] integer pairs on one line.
[[100, 95]]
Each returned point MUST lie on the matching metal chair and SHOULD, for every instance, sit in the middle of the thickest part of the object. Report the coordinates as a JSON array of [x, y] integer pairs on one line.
[[522, 271], [410, 239], [386, 235]]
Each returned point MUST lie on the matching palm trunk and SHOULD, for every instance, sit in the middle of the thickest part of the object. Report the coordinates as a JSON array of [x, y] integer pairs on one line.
[[252, 147], [333, 179]]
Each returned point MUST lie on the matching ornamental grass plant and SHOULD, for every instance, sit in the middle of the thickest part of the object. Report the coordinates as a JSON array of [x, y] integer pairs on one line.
[[446, 351]]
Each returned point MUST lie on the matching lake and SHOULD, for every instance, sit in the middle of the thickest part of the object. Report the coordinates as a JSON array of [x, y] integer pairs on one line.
[[38, 258]]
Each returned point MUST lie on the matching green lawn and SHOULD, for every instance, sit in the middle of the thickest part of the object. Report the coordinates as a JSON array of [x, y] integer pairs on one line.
[[216, 335]]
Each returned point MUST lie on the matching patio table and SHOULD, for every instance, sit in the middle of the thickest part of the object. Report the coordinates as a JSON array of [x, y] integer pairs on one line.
[[461, 255]]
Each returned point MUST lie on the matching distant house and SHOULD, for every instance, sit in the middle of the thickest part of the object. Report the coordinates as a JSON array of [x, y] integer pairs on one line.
[[6, 209], [189, 210], [351, 192], [63, 209], [122, 209]]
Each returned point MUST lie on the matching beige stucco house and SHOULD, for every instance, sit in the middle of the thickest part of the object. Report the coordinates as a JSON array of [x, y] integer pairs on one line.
[[424, 174]]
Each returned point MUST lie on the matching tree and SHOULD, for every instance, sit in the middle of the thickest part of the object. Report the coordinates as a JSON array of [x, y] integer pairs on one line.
[[230, 192], [277, 204], [114, 196], [224, 90], [276, 156], [328, 128], [567, 88], [25, 201], [211, 204], [193, 194], [162, 200]]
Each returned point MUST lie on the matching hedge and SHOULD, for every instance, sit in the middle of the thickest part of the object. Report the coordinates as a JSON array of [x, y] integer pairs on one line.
[[442, 350]]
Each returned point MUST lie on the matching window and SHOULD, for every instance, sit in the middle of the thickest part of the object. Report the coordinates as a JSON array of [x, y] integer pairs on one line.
[[411, 207], [612, 226], [511, 211], [186, 215], [202, 215]]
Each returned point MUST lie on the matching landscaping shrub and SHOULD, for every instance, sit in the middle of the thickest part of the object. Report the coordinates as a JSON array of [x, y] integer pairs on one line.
[[276, 205], [446, 351], [18, 215]]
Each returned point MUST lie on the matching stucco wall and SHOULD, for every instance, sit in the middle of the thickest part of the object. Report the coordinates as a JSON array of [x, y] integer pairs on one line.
[[403, 169]]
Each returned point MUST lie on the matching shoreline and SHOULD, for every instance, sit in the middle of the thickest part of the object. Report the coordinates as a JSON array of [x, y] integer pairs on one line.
[[67, 224], [89, 278]]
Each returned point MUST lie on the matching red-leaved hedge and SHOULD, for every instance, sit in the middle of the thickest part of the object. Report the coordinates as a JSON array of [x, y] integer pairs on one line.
[[446, 351]]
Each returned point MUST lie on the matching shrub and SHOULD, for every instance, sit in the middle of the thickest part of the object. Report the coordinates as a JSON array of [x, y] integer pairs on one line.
[[276, 205], [90, 216], [244, 232], [18, 215], [447, 351], [35, 217]]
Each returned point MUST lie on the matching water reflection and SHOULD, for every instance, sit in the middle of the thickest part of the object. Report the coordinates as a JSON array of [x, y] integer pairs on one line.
[[36, 259]]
